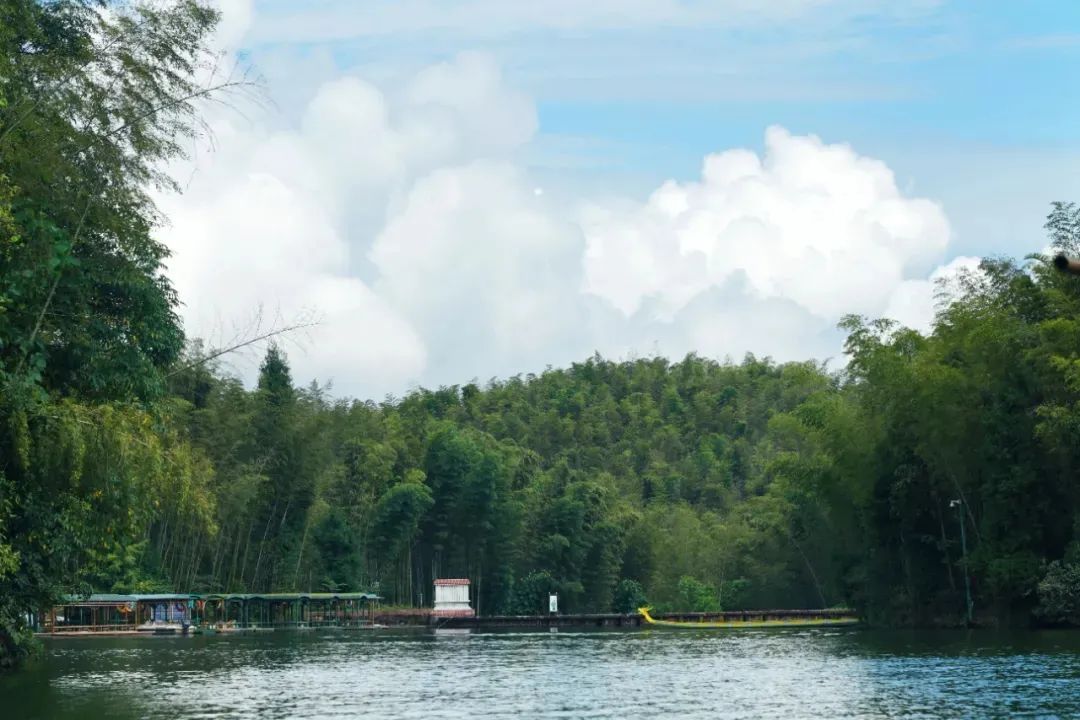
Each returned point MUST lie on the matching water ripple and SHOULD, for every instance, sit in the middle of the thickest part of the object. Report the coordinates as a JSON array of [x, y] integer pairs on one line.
[[405, 674]]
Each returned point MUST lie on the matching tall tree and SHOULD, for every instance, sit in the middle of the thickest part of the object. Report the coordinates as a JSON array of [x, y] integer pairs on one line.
[[95, 98]]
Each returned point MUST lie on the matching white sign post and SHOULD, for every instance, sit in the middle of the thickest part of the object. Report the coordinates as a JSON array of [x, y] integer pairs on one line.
[[553, 603]]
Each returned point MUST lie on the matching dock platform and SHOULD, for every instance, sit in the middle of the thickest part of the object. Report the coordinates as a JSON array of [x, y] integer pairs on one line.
[[730, 619], [183, 614]]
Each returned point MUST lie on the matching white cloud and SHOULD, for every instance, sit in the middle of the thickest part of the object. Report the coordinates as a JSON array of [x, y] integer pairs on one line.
[[285, 220], [405, 217], [763, 254], [812, 223], [485, 271], [236, 20], [260, 243]]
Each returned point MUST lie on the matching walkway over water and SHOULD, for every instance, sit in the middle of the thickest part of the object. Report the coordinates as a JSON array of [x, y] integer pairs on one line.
[[233, 612], [732, 619], [169, 612]]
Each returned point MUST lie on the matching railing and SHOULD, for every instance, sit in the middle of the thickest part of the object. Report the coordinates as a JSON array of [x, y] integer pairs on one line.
[[108, 627]]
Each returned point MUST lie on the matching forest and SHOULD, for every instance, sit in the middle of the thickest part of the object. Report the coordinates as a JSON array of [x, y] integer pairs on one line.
[[132, 460]]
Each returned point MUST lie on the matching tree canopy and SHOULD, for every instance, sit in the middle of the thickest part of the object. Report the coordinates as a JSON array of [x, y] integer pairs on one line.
[[93, 101]]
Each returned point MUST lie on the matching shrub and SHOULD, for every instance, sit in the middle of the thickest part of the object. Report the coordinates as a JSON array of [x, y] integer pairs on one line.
[[629, 596], [1059, 593], [696, 596]]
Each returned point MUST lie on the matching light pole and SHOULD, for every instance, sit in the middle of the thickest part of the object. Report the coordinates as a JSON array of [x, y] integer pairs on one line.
[[959, 505]]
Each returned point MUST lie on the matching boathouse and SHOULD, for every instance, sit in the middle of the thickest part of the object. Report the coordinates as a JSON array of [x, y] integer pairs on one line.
[[119, 613], [171, 612], [452, 598], [289, 610]]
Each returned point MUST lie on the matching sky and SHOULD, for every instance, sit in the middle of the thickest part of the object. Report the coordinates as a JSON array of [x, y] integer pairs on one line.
[[465, 190]]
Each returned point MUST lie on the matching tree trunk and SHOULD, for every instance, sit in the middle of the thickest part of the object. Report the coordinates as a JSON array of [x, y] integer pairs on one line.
[[945, 546], [299, 555], [813, 575], [262, 546]]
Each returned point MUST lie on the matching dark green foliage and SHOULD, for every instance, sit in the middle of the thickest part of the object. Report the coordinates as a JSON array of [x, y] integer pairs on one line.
[[629, 596], [981, 412], [531, 594], [708, 485], [394, 529], [90, 107], [695, 596], [338, 544], [1059, 593], [95, 98], [471, 483], [504, 508]]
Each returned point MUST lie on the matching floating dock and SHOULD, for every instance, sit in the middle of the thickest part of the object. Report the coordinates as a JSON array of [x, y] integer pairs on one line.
[[216, 613], [746, 619], [186, 613]]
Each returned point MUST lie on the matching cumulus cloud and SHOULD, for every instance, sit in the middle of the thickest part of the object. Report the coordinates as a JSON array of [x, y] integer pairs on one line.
[[261, 245], [765, 253], [236, 19], [485, 271], [812, 223], [287, 220], [405, 217]]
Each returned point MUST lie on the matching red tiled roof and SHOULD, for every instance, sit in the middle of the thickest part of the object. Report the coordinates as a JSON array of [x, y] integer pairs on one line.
[[452, 581]]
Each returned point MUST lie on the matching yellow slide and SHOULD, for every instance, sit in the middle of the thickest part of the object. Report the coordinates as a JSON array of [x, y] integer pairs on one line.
[[762, 622]]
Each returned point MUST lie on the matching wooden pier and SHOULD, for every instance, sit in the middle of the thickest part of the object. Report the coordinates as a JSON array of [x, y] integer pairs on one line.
[[732, 619], [172, 613], [183, 613]]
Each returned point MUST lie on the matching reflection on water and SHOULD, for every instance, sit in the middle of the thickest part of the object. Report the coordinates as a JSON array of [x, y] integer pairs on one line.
[[803, 673]]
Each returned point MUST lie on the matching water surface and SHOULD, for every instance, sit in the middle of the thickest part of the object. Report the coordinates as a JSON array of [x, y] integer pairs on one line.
[[813, 673]]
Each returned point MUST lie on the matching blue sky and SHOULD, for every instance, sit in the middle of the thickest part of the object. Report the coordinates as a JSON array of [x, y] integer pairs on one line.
[[969, 101], [529, 176]]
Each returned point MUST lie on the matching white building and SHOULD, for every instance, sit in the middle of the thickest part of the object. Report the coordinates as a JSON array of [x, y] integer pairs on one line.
[[452, 598]]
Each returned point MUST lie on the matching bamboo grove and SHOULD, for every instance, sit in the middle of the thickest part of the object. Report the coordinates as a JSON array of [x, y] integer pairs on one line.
[[130, 460]]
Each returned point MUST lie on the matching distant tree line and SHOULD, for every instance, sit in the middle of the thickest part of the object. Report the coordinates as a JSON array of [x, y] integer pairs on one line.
[[692, 485]]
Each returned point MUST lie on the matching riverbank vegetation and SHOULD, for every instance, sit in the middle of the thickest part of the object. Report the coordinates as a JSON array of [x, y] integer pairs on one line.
[[695, 485], [93, 102], [130, 460]]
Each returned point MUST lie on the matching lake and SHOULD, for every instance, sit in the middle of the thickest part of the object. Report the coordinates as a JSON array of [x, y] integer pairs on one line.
[[653, 673]]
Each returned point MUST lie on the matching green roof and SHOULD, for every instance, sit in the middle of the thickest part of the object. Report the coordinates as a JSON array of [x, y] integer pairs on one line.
[[286, 597], [111, 598], [100, 598], [167, 596], [115, 598]]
